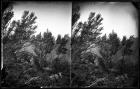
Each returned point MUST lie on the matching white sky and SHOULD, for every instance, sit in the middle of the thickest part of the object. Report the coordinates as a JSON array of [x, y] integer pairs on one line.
[[56, 16], [120, 17]]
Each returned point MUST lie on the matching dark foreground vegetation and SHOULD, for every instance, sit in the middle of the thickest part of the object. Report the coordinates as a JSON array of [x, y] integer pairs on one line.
[[84, 60]]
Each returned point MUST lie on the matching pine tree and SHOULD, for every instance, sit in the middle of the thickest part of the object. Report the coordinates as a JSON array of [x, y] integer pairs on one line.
[[6, 18], [14, 33], [58, 40], [75, 14], [104, 38], [114, 41], [48, 41], [83, 34], [25, 27], [123, 42], [62, 48], [39, 37]]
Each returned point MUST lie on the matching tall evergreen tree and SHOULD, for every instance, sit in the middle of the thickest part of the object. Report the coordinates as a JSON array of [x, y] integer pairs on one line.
[[123, 42], [48, 41], [75, 14], [58, 40], [6, 18], [14, 33], [114, 41], [25, 27], [39, 37], [83, 35]]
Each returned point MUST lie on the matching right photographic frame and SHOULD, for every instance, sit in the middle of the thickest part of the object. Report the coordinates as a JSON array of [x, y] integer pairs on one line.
[[104, 45]]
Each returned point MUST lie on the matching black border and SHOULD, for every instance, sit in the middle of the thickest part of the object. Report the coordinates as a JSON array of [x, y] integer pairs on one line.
[[136, 3]]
